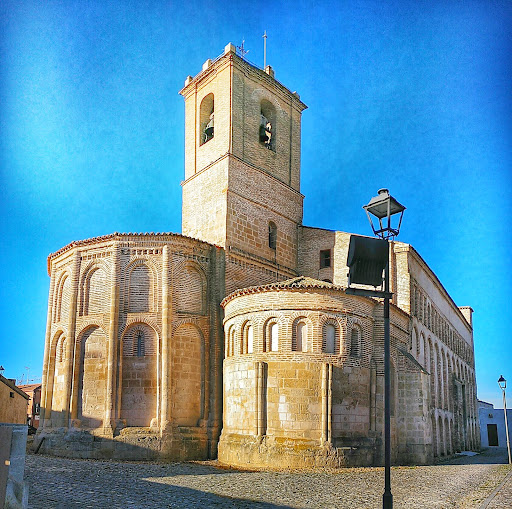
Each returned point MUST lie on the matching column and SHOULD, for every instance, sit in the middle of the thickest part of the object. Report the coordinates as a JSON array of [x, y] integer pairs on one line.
[[260, 369], [47, 348], [71, 339], [165, 339], [109, 424], [326, 431], [72, 352]]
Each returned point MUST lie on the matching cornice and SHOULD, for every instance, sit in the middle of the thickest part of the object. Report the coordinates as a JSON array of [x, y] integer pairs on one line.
[[123, 237]]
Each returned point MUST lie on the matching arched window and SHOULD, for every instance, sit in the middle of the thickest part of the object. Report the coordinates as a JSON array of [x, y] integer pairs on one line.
[[231, 344], [272, 235], [63, 298], [206, 119], [61, 349], [267, 130], [329, 338], [355, 341], [421, 349], [140, 346], [226, 343], [299, 337], [274, 337], [248, 339]]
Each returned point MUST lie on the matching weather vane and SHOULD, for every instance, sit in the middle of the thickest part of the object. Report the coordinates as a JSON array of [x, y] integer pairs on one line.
[[243, 51]]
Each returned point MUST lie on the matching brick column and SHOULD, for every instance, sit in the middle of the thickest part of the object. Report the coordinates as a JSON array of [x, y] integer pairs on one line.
[[73, 350], [165, 339], [260, 369], [47, 345], [71, 339], [326, 433], [109, 423]]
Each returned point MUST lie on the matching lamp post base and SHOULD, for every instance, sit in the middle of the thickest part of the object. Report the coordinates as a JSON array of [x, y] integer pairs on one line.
[[387, 501]]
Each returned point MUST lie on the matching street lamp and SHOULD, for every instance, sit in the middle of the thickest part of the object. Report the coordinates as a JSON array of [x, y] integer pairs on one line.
[[367, 258], [384, 207], [503, 385]]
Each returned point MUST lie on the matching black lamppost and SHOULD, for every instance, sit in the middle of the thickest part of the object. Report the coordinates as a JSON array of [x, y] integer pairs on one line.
[[503, 385], [367, 258]]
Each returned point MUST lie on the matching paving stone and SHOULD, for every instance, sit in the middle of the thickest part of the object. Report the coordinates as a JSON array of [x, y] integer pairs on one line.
[[461, 482]]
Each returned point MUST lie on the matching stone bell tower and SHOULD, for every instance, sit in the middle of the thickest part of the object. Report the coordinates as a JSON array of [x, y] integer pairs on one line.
[[242, 161]]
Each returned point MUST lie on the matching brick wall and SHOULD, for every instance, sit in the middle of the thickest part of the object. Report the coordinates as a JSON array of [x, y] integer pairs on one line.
[[163, 286], [310, 395]]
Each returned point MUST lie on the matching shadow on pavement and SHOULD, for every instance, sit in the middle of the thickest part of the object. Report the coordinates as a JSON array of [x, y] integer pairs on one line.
[[491, 455], [64, 483]]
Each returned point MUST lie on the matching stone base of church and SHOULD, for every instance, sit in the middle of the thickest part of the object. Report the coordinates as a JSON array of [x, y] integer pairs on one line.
[[279, 452], [176, 444]]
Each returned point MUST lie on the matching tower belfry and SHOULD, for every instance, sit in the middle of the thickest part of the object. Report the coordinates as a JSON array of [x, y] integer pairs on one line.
[[242, 160]]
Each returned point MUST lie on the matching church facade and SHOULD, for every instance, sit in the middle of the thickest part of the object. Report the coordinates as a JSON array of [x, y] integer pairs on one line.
[[236, 339]]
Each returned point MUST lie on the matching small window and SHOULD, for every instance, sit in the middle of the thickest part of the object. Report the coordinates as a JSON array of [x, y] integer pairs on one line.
[[248, 340], [355, 340], [11, 394], [272, 235], [140, 344], [274, 337], [325, 258], [329, 339], [231, 344], [299, 339]]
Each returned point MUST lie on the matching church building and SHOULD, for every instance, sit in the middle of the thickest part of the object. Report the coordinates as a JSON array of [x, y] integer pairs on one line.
[[236, 339]]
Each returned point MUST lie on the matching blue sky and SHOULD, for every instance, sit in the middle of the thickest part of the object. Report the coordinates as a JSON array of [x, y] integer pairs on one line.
[[413, 96]]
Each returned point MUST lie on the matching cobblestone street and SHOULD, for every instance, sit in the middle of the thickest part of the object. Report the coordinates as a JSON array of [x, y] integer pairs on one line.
[[463, 482]]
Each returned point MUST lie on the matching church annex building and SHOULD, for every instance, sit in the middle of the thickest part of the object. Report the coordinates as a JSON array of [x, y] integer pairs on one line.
[[236, 339]]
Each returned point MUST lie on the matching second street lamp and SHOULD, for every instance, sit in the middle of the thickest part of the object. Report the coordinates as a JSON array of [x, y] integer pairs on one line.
[[367, 258], [503, 385]]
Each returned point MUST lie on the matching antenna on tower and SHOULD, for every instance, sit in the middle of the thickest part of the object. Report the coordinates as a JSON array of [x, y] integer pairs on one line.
[[243, 51], [265, 49]]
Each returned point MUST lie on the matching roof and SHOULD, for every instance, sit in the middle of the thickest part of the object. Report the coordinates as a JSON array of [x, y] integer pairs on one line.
[[29, 387], [296, 283], [13, 386]]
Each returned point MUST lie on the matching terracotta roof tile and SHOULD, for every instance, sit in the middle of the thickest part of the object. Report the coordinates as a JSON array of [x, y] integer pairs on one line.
[[300, 282]]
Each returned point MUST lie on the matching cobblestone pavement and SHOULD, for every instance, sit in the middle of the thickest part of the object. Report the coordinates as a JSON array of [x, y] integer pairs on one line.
[[463, 482]]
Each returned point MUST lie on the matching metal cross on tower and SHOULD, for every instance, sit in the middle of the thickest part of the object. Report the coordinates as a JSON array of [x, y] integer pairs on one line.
[[243, 51]]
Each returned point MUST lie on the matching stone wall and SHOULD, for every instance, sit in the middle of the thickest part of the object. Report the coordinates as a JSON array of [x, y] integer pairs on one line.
[[301, 401], [132, 347]]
